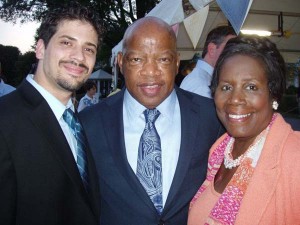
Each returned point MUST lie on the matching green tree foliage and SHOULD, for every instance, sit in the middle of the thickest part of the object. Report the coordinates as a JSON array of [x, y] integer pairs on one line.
[[8, 56], [14, 65], [24, 65]]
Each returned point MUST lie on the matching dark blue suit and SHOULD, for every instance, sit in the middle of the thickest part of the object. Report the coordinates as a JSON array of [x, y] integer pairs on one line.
[[123, 199]]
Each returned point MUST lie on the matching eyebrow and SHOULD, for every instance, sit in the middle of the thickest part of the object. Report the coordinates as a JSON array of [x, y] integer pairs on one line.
[[74, 39], [168, 51]]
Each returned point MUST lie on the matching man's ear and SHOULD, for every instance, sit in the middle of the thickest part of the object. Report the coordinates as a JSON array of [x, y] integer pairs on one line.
[[120, 61], [40, 49], [178, 61], [211, 49]]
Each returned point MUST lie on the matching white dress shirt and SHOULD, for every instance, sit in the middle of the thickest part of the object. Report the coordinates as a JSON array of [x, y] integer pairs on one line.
[[58, 109], [198, 81], [168, 126]]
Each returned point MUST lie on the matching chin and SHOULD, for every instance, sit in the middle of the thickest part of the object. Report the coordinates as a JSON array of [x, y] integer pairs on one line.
[[74, 86]]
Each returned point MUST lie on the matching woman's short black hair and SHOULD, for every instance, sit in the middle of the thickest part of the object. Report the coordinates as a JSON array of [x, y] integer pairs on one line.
[[262, 49]]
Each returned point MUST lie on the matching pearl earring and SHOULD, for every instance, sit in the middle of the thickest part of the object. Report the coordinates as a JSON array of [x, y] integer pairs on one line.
[[275, 105]]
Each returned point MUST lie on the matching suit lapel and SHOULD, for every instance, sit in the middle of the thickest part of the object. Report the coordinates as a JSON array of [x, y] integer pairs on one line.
[[114, 121], [265, 178], [55, 137], [93, 182], [189, 126], [52, 133]]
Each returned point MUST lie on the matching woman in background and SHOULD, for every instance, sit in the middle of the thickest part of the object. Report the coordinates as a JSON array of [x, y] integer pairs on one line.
[[253, 169]]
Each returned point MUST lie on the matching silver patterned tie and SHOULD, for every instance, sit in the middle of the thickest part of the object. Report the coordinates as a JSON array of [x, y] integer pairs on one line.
[[77, 130], [149, 167]]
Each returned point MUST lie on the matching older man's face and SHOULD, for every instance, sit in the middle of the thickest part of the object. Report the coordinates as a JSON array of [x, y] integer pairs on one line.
[[149, 65]]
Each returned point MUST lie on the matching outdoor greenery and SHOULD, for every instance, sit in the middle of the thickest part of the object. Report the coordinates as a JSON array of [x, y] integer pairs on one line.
[[14, 65]]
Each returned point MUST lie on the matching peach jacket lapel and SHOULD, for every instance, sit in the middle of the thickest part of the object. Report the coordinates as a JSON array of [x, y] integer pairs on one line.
[[263, 184]]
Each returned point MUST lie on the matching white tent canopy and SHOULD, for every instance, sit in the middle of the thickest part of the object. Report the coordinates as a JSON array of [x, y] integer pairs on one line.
[[100, 75], [263, 15]]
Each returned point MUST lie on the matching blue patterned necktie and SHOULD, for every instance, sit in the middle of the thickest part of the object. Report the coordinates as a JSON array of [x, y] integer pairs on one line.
[[149, 167], [77, 130]]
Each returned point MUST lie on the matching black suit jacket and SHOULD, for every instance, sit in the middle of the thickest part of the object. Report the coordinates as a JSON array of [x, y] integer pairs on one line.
[[123, 199], [39, 180]]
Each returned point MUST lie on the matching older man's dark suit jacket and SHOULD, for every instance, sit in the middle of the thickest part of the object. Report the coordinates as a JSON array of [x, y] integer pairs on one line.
[[123, 199], [39, 180]]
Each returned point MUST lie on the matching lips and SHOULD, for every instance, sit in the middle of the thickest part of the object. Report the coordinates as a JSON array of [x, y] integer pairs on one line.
[[150, 89], [238, 116], [73, 68], [76, 70], [151, 86]]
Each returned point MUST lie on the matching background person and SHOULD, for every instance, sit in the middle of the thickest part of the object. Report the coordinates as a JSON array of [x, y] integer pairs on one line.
[[5, 88], [47, 174], [198, 81], [89, 98], [120, 129], [252, 169]]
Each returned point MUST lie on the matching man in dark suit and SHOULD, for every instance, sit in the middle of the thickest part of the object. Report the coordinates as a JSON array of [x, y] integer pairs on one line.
[[47, 174], [150, 170]]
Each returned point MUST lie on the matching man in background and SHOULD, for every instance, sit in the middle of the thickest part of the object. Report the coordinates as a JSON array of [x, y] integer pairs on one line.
[[150, 141], [198, 81], [47, 174]]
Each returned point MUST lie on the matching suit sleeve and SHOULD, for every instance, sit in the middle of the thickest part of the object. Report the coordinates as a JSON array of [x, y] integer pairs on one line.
[[8, 184]]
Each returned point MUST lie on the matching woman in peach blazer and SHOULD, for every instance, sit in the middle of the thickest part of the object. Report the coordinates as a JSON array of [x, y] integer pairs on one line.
[[253, 169]]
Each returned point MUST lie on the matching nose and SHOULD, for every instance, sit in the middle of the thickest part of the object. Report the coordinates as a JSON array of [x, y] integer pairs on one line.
[[237, 97], [150, 68], [77, 54]]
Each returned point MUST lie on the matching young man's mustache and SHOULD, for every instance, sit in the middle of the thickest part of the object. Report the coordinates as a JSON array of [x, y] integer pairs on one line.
[[75, 64]]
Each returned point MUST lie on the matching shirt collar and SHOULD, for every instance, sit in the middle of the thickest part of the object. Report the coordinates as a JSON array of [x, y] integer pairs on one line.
[[57, 107], [135, 109]]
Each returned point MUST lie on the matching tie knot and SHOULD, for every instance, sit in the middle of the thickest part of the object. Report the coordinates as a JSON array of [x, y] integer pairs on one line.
[[151, 115], [68, 115]]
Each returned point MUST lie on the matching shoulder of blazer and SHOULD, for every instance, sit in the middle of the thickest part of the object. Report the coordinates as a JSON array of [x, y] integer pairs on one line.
[[204, 107], [107, 102], [192, 96], [26, 92], [108, 108], [195, 100], [25, 96]]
